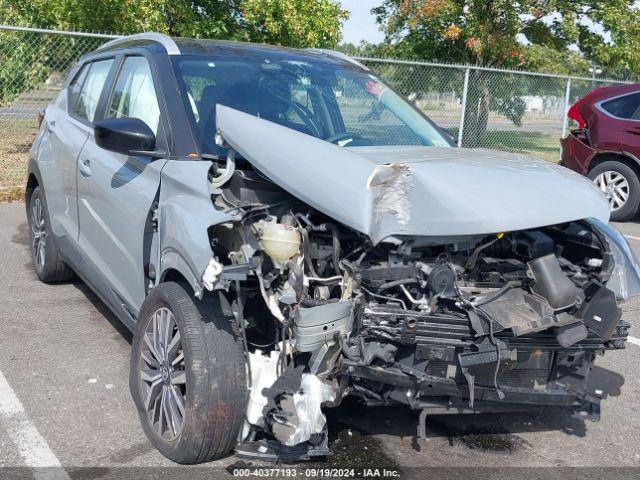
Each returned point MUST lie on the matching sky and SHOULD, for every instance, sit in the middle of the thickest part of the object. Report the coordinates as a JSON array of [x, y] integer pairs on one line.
[[361, 24]]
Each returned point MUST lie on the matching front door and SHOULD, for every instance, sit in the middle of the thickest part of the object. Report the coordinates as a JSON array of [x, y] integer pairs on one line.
[[116, 192]]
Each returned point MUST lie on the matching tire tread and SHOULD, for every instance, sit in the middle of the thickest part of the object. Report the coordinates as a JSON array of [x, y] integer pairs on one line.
[[216, 357]]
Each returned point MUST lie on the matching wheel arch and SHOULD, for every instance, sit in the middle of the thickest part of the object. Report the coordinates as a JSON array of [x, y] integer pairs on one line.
[[32, 184], [625, 158], [34, 180], [174, 275], [176, 269]]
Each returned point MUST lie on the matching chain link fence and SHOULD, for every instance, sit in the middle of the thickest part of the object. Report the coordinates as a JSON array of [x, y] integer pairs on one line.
[[514, 111], [522, 112], [33, 64]]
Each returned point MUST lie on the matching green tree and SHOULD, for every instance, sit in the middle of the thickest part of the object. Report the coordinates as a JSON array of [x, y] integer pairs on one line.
[[298, 23], [528, 34], [212, 18]]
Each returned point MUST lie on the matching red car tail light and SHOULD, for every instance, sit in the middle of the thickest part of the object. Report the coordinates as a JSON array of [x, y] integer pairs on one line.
[[575, 112], [575, 115]]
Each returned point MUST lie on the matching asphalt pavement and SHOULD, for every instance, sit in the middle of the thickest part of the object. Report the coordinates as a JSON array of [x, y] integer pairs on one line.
[[64, 398]]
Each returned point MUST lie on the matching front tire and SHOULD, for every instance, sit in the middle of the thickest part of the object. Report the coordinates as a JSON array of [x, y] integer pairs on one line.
[[187, 376], [47, 261], [620, 184]]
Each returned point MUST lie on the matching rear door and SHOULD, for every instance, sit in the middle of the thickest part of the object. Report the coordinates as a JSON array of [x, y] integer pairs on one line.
[[67, 132], [621, 120], [626, 110], [116, 192]]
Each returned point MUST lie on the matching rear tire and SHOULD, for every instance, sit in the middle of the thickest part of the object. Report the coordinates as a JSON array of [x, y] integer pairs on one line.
[[621, 173], [211, 366], [47, 261]]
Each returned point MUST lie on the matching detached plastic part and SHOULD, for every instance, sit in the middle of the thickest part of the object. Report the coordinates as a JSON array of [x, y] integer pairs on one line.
[[602, 314], [552, 283], [211, 274], [308, 400], [264, 372]]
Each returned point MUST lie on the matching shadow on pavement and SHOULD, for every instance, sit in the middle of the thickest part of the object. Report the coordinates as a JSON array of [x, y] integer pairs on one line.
[[103, 310], [21, 237], [489, 432]]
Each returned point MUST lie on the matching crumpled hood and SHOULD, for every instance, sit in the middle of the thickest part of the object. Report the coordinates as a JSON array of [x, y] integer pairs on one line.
[[417, 191]]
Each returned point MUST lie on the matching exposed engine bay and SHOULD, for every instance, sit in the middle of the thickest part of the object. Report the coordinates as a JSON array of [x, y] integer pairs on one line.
[[498, 322]]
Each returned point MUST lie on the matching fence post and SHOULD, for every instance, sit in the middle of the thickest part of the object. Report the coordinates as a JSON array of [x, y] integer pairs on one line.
[[565, 120], [567, 99], [463, 107]]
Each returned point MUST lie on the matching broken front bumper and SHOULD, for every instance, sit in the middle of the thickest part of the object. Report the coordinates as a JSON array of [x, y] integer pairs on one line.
[[444, 372]]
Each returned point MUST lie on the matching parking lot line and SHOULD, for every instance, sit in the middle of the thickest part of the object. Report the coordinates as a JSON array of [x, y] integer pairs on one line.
[[31, 445], [631, 237], [633, 340]]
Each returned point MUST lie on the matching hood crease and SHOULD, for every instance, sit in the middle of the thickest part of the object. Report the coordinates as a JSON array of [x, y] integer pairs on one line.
[[385, 191]]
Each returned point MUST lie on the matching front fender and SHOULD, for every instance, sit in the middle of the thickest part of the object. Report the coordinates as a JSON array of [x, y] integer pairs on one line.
[[185, 214]]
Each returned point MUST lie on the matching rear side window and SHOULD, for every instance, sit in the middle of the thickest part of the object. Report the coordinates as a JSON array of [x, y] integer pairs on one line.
[[624, 107], [92, 89], [134, 95], [76, 85]]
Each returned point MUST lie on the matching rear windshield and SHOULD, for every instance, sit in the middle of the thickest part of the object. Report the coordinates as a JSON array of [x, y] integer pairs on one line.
[[329, 99]]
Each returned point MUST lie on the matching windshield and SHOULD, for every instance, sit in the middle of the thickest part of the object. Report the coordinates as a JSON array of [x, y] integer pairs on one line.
[[327, 98]]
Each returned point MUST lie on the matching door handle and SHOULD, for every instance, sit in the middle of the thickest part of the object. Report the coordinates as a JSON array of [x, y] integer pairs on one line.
[[51, 125], [85, 167], [633, 131]]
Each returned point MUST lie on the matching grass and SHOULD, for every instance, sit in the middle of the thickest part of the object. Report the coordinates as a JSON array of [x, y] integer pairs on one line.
[[11, 194], [545, 146], [16, 137]]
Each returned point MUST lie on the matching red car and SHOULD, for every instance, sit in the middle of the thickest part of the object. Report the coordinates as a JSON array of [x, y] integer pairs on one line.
[[606, 145]]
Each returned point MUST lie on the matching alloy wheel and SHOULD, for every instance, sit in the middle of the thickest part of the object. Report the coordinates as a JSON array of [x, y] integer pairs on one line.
[[163, 374], [615, 187], [39, 231]]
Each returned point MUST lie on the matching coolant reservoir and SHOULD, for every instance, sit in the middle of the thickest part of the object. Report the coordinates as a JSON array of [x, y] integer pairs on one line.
[[281, 242]]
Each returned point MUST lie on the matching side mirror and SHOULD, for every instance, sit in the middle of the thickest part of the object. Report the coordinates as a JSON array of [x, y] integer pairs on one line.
[[129, 136]]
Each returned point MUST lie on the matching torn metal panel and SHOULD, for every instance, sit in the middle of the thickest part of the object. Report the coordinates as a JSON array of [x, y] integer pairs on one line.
[[391, 185], [445, 192], [186, 212]]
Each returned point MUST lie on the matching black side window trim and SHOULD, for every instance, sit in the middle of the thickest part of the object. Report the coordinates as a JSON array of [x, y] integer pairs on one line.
[[72, 105], [106, 87]]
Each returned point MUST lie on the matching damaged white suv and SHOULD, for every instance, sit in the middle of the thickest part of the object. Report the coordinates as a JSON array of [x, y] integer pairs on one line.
[[280, 229]]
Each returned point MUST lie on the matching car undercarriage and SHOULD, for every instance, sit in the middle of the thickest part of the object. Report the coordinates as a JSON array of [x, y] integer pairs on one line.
[[478, 323]]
